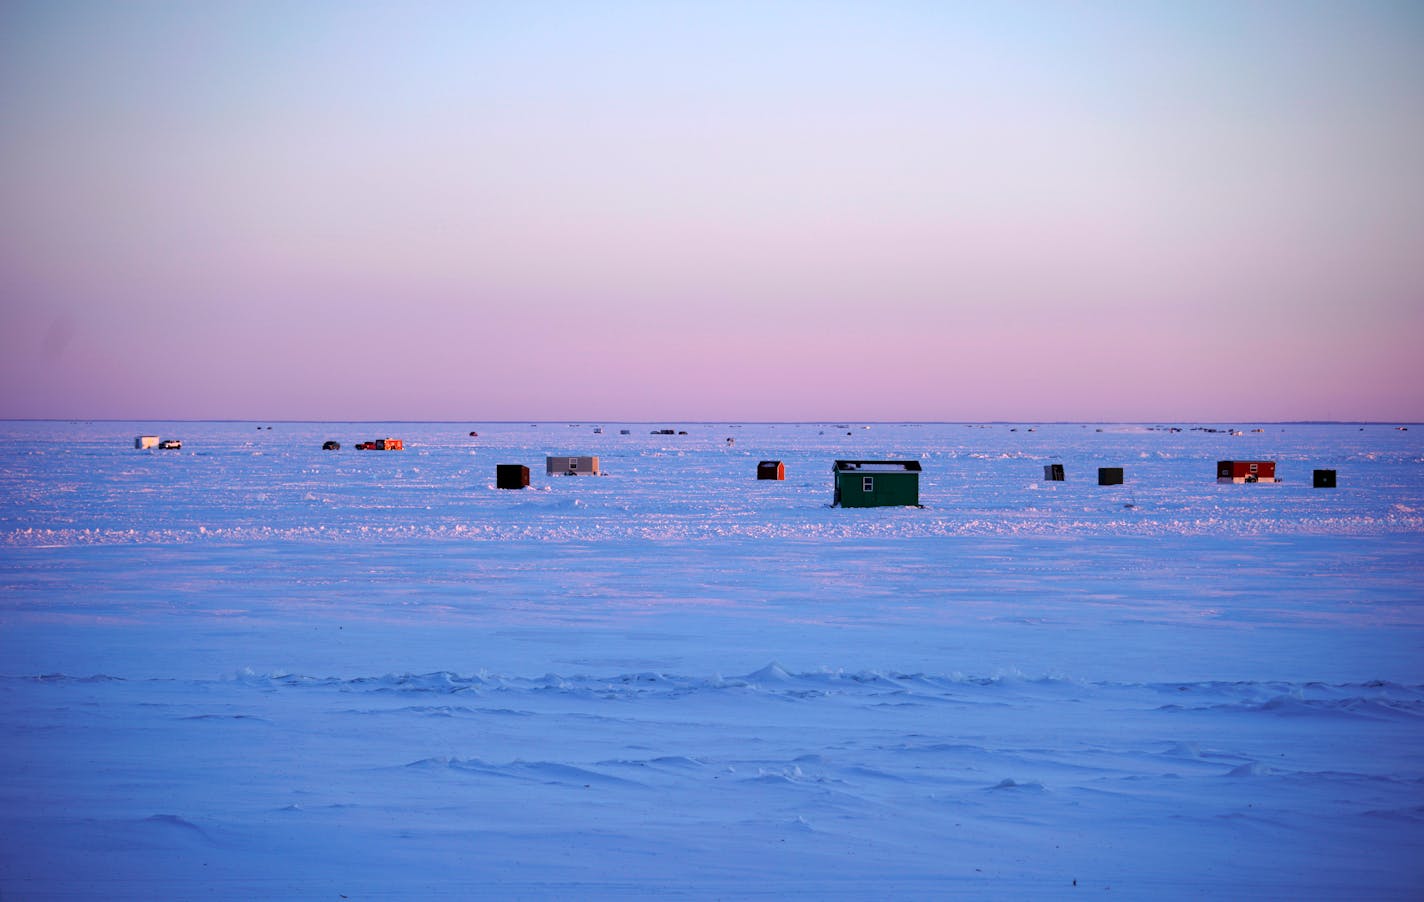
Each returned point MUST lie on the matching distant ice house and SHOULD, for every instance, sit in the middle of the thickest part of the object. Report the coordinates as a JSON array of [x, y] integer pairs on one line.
[[382, 444], [571, 466], [770, 469], [1246, 471], [511, 476]]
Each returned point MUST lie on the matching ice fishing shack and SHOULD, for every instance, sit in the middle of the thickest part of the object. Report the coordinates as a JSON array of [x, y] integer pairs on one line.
[[571, 466], [382, 444], [876, 483], [511, 476], [770, 469], [1246, 471]]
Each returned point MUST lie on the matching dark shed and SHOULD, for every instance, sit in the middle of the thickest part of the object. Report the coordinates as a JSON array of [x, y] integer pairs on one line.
[[511, 476], [1053, 473], [1323, 479], [1109, 475], [771, 469]]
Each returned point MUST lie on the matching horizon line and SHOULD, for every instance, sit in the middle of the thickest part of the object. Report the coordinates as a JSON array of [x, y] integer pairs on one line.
[[585, 421]]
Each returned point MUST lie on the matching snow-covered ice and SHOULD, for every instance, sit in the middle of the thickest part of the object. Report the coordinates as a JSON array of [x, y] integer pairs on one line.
[[250, 668]]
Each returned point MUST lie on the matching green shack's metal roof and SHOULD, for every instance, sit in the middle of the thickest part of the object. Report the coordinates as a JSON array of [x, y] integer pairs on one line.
[[877, 466]]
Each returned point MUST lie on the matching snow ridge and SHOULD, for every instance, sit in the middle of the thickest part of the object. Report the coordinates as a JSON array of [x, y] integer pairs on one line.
[[1369, 699]]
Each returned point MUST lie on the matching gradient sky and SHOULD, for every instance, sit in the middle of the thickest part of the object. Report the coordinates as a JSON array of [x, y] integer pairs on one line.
[[721, 210]]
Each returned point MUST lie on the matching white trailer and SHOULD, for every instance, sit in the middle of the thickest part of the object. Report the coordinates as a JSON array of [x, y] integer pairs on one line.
[[571, 466]]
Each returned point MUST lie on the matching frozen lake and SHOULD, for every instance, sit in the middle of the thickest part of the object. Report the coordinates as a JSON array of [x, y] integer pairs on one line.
[[253, 669]]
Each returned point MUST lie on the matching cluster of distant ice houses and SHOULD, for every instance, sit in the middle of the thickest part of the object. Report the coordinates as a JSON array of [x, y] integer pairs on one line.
[[856, 483]]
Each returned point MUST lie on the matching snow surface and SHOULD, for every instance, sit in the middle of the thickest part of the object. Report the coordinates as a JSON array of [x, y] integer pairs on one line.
[[253, 669]]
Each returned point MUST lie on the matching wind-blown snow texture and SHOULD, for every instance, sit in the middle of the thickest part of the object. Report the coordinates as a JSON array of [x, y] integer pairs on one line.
[[253, 669]]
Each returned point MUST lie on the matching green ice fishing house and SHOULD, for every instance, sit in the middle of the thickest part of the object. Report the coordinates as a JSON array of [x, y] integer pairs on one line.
[[876, 483]]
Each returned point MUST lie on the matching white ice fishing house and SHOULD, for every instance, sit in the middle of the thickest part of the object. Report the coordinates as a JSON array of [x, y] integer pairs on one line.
[[571, 466]]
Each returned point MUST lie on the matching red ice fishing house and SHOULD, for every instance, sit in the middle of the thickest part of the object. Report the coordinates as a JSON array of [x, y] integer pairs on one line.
[[382, 444], [1246, 471], [771, 469]]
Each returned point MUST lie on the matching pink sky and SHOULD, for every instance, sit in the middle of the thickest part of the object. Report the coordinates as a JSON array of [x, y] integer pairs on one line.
[[713, 211]]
